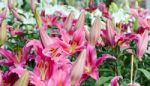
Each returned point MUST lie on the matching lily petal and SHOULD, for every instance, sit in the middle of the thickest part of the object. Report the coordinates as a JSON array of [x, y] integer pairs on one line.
[[114, 81], [11, 57], [103, 58], [79, 64]]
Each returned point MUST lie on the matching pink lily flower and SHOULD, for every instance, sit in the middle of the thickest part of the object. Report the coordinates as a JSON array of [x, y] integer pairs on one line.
[[92, 63], [51, 47], [141, 44], [11, 58], [44, 68], [114, 81], [71, 44]]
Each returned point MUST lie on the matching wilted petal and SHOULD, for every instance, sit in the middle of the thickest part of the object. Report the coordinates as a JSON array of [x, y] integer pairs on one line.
[[114, 81], [78, 67]]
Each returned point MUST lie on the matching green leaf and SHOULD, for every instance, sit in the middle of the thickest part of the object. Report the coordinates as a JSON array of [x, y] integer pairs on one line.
[[102, 80], [145, 72]]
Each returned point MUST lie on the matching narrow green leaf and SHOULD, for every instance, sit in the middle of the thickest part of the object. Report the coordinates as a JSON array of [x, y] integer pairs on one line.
[[102, 81], [145, 72]]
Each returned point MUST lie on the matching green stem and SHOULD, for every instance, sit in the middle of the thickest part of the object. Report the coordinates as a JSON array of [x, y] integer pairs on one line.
[[136, 71], [131, 76]]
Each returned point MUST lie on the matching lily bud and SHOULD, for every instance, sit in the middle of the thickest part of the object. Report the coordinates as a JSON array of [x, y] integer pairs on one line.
[[78, 67], [133, 84], [10, 4], [69, 20], [142, 43], [95, 31], [110, 32], [16, 15], [3, 33], [81, 20], [38, 18], [3, 15], [32, 4]]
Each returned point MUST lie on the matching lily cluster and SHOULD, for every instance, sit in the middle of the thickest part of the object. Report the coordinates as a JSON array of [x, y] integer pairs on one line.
[[65, 54]]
